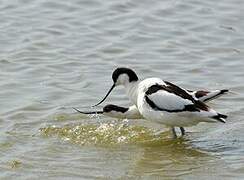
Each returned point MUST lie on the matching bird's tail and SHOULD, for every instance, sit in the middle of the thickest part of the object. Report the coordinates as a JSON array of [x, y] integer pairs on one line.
[[211, 95]]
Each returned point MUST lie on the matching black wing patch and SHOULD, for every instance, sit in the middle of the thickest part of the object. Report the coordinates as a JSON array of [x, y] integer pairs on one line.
[[171, 88], [178, 91]]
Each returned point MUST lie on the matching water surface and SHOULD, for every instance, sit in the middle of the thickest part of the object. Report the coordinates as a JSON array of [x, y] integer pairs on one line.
[[55, 55]]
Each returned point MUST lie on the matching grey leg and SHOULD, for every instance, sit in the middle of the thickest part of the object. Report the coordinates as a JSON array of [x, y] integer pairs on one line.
[[174, 133], [182, 131]]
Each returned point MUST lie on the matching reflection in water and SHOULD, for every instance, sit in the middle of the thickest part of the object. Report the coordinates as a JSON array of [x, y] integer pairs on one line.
[[172, 159]]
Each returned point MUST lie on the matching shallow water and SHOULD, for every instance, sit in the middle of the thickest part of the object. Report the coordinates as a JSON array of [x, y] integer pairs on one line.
[[55, 55]]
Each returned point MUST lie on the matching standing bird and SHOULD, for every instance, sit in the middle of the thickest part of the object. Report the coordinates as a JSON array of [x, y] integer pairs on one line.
[[132, 112], [163, 102]]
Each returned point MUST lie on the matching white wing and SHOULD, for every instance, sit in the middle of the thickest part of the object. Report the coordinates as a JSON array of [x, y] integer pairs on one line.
[[172, 98], [168, 101]]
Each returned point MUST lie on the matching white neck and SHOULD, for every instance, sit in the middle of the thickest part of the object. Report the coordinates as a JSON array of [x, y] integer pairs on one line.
[[132, 91]]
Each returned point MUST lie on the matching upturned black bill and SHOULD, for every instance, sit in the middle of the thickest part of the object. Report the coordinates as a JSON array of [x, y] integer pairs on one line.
[[105, 96], [88, 112]]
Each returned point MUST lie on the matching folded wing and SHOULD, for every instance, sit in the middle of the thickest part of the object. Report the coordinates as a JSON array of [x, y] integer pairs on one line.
[[172, 98]]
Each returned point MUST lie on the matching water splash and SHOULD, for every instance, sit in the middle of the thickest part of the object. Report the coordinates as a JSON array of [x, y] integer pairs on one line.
[[105, 134]]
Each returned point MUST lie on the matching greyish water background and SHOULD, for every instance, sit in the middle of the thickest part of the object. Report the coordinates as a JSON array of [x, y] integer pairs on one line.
[[55, 55]]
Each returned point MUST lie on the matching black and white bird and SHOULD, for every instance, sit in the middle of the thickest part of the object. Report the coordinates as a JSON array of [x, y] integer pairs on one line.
[[163, 102], [132, 112]]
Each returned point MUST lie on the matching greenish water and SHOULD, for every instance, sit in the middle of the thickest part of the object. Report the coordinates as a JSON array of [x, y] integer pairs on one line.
[[55, 55]]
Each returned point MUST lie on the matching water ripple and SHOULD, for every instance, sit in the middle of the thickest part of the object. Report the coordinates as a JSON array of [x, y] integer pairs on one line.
[[55, 55]]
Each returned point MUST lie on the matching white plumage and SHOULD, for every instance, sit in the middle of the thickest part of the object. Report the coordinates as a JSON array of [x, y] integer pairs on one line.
[[164, 102], [170, 101]]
